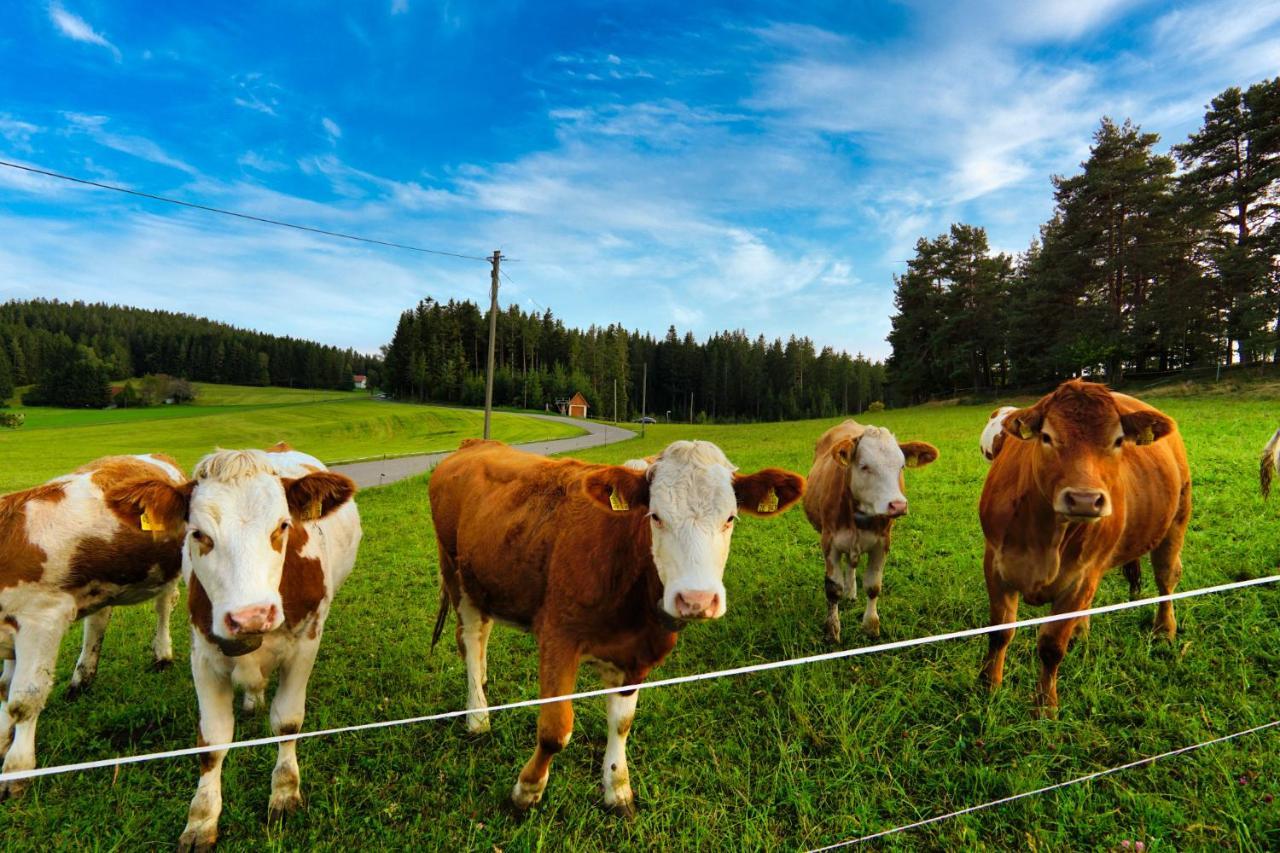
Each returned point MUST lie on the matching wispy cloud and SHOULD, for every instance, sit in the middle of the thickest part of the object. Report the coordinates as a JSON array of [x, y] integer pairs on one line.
[[74, 27], [95, 127], [331, 128]]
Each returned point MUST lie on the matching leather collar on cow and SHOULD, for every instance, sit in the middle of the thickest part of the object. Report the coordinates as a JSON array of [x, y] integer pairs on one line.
[[666, 620], [878, 523], [236, 648]]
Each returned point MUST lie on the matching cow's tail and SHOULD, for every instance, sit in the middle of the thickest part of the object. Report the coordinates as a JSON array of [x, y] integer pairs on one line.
[[441, 616], [1270, 463]]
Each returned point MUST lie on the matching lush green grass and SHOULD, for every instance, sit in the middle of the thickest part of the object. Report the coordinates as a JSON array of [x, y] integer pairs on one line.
[[787, 759], [333, 425]]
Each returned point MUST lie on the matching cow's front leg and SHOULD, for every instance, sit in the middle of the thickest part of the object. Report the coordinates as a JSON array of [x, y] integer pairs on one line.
[[6, 678], [473, 641], [872, 577], [217, 726], [837, 586], [35, 651], [557, 672], [95, 628], [161, 644], [621, 710], [287, 709], [1054, 639], [1003, 604]]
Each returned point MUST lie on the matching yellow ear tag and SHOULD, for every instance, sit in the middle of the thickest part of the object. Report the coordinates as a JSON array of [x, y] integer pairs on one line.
[[770, 502], [1147, 436], [913, 461], [314, 510], [1024, 430], [148, 525], [617, 501]]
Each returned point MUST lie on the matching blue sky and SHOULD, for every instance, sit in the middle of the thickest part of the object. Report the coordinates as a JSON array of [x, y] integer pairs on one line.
[[756, 165]]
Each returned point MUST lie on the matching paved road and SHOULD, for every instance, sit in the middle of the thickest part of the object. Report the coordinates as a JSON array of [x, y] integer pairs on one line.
[[379, 472]]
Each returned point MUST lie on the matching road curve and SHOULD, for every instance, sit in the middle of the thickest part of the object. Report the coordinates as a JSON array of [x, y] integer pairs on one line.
[[380, 472]]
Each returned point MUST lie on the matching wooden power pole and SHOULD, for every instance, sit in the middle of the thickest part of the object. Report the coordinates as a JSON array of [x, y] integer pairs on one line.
[[493, 334], [644, 393]]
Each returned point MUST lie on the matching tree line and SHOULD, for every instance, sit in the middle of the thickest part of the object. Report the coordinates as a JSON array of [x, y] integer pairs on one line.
[[439, 353], [1151, 262], [70, 352]]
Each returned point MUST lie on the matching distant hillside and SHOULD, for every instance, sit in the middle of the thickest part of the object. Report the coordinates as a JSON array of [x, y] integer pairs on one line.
[[38, 336]]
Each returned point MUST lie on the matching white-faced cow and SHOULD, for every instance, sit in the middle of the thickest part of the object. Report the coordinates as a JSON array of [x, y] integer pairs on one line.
[[855, 491], [271, 536], [603, 563], [1087, 480], [69, 549], [1270, 464], [993, 433]]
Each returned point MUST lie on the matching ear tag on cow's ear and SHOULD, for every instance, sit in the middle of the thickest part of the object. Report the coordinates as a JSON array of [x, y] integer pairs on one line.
[[314, 510], [769, 503], [148, 525], [617, 501], [913, 460], [1024, 430], [1147, 436]]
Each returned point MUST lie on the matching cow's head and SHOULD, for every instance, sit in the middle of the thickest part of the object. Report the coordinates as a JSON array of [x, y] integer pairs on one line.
[[1080, 437], [993, 434], [874, 462], [238, 513], [692, 497]]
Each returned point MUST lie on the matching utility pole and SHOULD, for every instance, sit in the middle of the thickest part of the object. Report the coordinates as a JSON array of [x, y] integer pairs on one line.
[[493, 334], [690, 407], [615, 401], [644, 393]]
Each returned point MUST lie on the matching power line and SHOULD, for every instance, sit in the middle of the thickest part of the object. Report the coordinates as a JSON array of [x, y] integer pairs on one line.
[[236, 214]]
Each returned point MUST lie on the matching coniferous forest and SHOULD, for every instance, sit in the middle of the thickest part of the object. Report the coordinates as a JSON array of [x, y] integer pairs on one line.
[[1150, 263]]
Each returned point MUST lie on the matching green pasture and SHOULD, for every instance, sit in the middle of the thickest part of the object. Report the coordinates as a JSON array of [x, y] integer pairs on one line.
[[788, 759], [332, 425]]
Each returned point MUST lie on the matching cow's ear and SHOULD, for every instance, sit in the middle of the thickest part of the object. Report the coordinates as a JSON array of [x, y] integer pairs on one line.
[[1024, 423], [918, 453], [1146, 426], [316, 495], [767, 492], [153, 504], [618, 488], [844, 451]]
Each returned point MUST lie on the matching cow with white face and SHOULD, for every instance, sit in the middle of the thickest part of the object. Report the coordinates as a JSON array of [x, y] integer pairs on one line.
[[993, 433], [855, 493], [271, 536]]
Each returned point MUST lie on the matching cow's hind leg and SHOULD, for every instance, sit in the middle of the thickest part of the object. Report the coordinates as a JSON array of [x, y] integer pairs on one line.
[[95, 628], [1166, 561], [473, 643], [161, 644], [1003, 604], [621, 710], [287, 709], [872, 577], [839, 583], [1133, 574], [557, 671], [35, 657]]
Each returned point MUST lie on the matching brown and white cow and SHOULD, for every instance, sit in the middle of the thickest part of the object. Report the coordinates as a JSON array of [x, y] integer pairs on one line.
[[71, 549], [1270, 464], [854, 493], [270, 538], [603, 563], [992, 438], [1089, 479]]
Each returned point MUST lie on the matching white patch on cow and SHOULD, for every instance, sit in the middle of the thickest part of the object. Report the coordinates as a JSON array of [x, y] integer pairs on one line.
[[995, 426], [691, 507], [167, 467], [875, 472]]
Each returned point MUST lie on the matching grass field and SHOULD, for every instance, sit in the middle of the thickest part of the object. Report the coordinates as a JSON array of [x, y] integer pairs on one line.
[[332, 425], [781, 760]]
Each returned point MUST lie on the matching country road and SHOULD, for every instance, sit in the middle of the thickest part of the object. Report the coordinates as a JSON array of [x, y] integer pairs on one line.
[[380, 472]]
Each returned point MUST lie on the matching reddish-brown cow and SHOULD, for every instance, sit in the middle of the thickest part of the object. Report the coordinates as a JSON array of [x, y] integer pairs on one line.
[[1091, 480], [601, 562]]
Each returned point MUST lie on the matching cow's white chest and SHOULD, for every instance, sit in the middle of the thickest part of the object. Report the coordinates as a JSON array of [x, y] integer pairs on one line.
[[854, 542]]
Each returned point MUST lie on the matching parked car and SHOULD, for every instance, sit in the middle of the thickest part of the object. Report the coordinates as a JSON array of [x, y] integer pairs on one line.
[[646, 420]]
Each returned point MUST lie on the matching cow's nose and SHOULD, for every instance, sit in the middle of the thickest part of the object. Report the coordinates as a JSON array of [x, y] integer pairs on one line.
[[695, 604], [1084, 503], [257, 619], [897, 509]]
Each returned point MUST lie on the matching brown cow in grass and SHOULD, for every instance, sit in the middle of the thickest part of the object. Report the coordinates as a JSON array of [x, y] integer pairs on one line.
[[1088, 479], [603, 563], [1270, 463]]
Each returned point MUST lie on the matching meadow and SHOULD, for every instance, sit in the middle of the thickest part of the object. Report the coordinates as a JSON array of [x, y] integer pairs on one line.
[[335, 426], [787, 759]]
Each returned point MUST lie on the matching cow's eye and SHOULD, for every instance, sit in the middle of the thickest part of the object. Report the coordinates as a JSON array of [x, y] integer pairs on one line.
[[201, 537], [657, 522], [732, 519], [284, 525], [1119, 441], [865, 467], [1044, 437]]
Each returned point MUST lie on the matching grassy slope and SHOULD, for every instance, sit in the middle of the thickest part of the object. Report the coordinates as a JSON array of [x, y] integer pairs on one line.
[[788, 759], [334, 426]]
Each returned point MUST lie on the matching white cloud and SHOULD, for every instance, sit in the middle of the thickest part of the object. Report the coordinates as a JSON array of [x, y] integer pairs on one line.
[[399, 7], [94, 126], [74, 27], [331, 128], [17, 133]]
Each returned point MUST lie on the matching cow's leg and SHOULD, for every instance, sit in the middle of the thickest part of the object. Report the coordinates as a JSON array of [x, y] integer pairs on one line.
[[287, 708], [872, 577], [836, 586], [1003, 608], [1133, 574], [161, 644], [35, 657], [1055, 638], [215, 695], [6, 677], [621, 710], [473, 640], [1166, 562], [95, 628], [557, 672]]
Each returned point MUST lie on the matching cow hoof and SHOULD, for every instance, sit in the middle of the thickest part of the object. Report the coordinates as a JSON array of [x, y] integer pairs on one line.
[[833, 633], [77, 689], [12, 790], [623, 809], [197, 840], [161, 664], [1165, 633], [282, 806], [1045, 712], [525, 797], [477, 724], [871, 627]]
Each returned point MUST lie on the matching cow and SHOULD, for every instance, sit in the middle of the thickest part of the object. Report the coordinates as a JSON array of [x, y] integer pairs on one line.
[[70, 549], [270, 537], [1270, 464], [854, 494], [1088, 479], [993, 433], [602, 563]]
